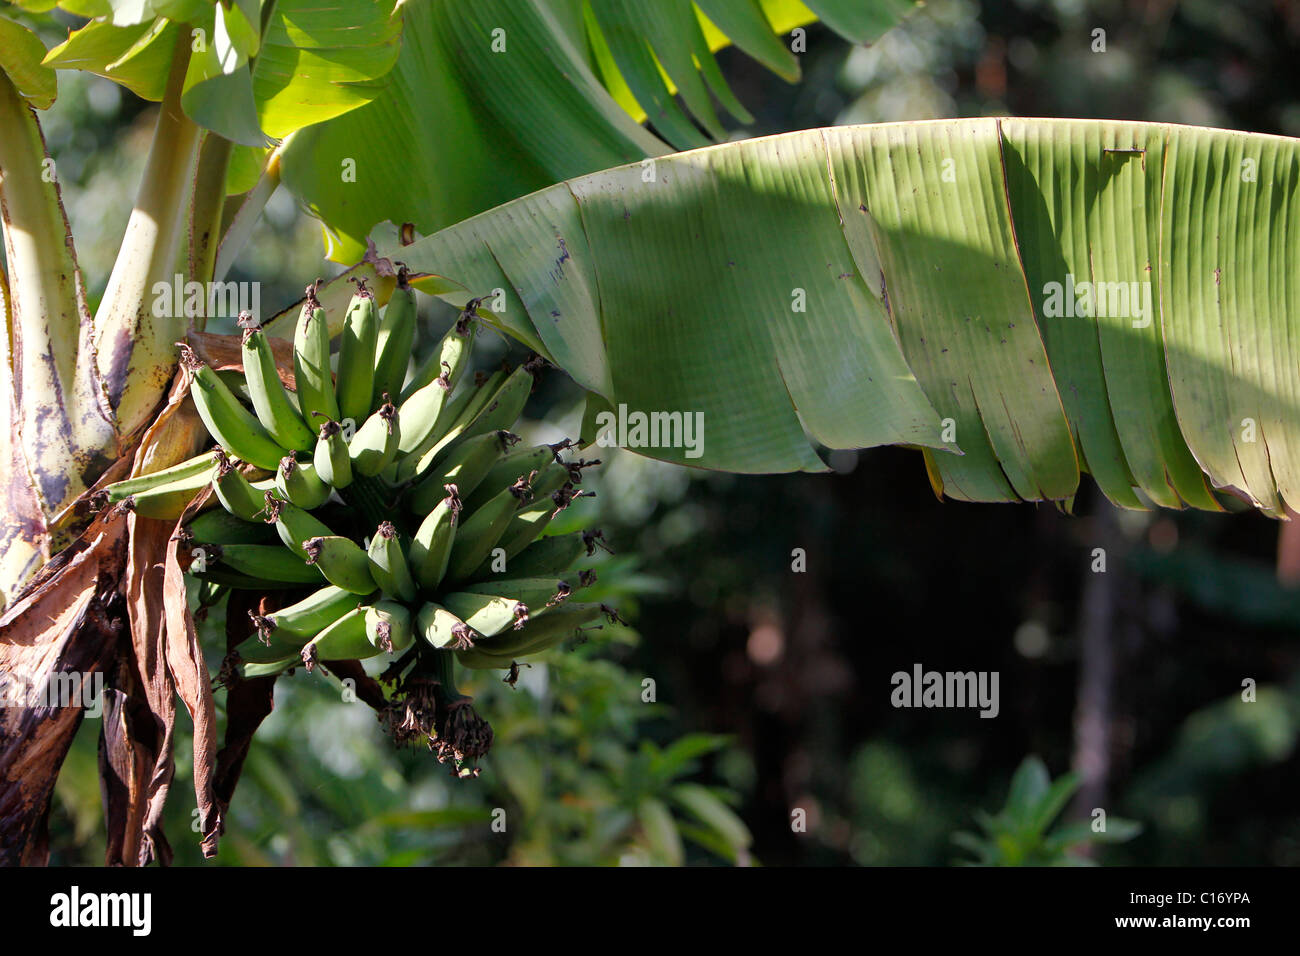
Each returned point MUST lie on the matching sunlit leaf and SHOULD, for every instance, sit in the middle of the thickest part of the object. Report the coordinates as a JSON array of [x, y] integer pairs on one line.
[[137, 57], [21, 56]]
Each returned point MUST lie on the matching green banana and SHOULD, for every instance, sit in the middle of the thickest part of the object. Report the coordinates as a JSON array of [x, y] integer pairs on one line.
[[235, 492], [429, 432], [235, 428], [395, 341], [466, 468], [218, 526], [250, 670], [273, 647], [488, 614], [331, 459], [484, 605], [388, 564], [554, 554], [343, 640], [540, 635], [509, 468], [169, 500], [342, 561], [298, 482], [270, 400], [525, 528], [311, 362], [293, 524], [356, 378], [309, 616], [450, 358], [419, 413], [442, 629], [361, 634], [388, 627], [268, 562], [505, 406], [537, 593], [432, 545], [198, 465], [376, 442], [499, 411], [550, 478], [479, 533]]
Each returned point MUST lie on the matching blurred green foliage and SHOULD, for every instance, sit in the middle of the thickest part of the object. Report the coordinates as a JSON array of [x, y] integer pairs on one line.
[[1021, 833]]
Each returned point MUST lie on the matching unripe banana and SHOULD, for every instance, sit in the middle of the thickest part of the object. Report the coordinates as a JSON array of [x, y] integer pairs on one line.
[[419, 413], [298, 482], [272, 647], [554, 554], [505, 406], [540, 635], [309, 616], [510, 468], [293, 524], [356, 379], [311, 363], [169, 500], [543, 481], [525, 528], [465, 468], [388, 627], [375, 443], [198, 465], [342, 562], [537, 593], [528, 525], [235, 492], [550, 478], [344, 640], [249, 670], [395, 342], [232, 425], [498, 412], [388, 564], [479, 533], [433, 542], [487, 614], [450, 358], [268, 562], [271, 402], [218, 526], [429, 434], [442, 629], [331, 459]]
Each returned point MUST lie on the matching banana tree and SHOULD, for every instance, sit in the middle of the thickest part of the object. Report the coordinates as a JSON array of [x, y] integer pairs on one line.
[[253, 94], [1023, 301]]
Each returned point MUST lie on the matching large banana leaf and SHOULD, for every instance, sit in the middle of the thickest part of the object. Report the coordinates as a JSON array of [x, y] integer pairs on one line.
[[493, 99], [943, 267]]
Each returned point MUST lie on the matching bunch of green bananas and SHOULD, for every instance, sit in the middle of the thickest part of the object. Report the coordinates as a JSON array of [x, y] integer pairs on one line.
[[399, 505]]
